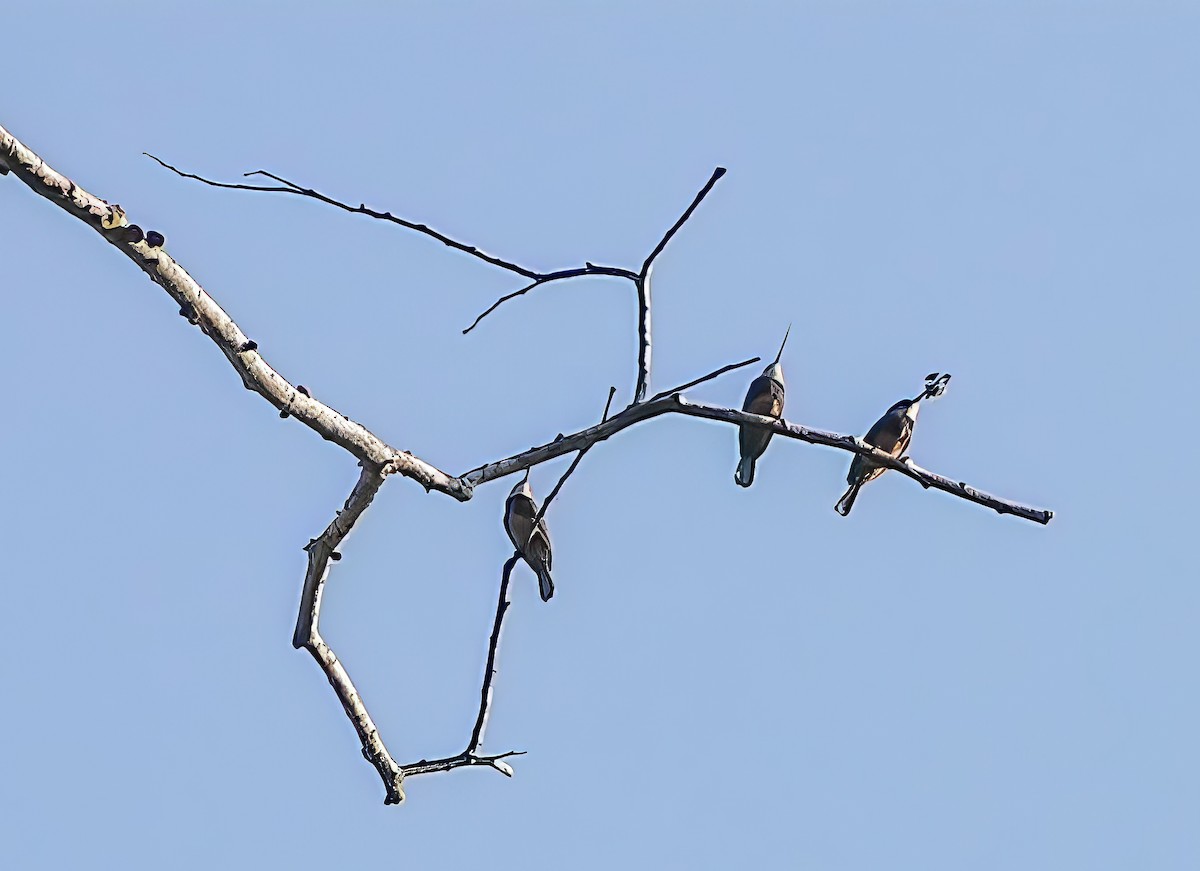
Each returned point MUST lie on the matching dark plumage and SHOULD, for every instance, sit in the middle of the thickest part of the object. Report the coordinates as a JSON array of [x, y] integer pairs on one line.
[[764, 397], [531, 540], [891, 434]]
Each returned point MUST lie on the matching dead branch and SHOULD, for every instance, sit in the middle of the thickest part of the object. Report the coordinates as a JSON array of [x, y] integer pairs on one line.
[[709, 377], [677, 404], [308, 635], [612, 391], [244, 355], [378, 460], [640, 279], [361, 209], [489, 671], [471, 756]]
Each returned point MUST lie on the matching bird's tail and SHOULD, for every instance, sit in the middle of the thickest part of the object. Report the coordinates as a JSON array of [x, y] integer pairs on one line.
[[545, 585], [744, 476], [847, 501]]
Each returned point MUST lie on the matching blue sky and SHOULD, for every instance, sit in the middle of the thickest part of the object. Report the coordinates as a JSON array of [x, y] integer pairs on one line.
[[725, 677]]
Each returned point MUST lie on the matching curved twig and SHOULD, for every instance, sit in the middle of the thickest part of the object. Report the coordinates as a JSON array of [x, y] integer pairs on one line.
[[589, 269], [360, 209]]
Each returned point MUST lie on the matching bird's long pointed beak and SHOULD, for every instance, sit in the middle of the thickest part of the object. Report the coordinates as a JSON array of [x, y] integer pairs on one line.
[[785, 338]]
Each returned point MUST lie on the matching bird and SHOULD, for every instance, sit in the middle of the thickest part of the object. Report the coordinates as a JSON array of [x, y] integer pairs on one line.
[[764, 397], [891, 434], [530, 538]]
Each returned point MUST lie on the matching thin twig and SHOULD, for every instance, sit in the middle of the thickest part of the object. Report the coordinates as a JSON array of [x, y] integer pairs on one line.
[[470, 756], [463, 760], [360, 209], [645, 343], [642, 283], [708, 186], [612, 391], [589, 269], [708, 377], [489, 671]]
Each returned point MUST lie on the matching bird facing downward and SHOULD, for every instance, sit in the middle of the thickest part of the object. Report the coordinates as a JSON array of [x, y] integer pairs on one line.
[[891, 434], [764, 397], [530, 539]]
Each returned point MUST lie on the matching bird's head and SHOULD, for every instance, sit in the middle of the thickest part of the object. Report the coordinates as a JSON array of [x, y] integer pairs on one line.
[[522, 488], [906, 407]]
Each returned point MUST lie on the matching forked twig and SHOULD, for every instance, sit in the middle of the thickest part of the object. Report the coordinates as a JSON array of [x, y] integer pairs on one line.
[[471, 756], [489, 671], [640, 279], [612, 391]]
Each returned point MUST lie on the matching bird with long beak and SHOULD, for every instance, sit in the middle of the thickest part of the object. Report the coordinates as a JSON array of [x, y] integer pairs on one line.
[[764, 397], [528, 534], [890, 434]]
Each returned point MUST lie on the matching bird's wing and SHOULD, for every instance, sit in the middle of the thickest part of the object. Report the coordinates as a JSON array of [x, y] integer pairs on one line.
[[539, 551], [539, 540], [862, 470], [887, 432], [518, 520], [906, 434]]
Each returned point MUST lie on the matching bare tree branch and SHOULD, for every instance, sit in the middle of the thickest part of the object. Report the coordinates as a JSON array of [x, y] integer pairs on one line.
[[378, 460], [640, 279], [308, 635], [708, 377], [674, 403], [658, 249], [645, 345], [589, 269], [612, 391], [645, 341], [471, 756], [463, 760], [489, 671], [111, 222], [361, 209]]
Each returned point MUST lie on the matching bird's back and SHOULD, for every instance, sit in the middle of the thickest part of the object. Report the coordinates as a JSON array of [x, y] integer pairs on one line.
[[765, 397]]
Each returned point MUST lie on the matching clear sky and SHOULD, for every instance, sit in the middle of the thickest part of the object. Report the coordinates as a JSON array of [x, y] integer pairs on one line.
[[725, 677]]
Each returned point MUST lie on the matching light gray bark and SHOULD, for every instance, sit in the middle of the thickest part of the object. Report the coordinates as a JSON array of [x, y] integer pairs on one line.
[[378, 460]]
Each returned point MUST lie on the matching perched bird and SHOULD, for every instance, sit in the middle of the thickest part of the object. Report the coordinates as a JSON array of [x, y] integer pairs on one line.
[[530, 539], [764, 397], [891, 434]]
